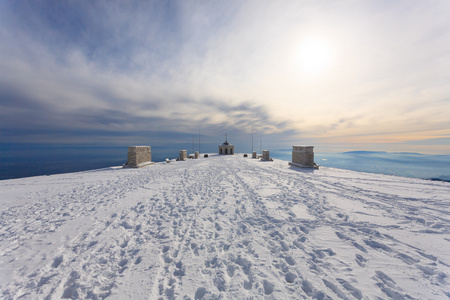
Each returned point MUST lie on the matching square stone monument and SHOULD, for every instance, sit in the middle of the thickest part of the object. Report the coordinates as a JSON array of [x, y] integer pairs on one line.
[[139, 156], [266, 155], [303, 157], [183, 155]]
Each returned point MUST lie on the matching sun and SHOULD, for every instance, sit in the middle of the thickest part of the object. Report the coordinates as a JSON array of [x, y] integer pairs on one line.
[[314, 56]]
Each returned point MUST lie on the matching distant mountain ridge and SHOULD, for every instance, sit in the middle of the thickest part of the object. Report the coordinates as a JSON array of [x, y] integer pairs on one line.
[[440, 179], [364, 152]]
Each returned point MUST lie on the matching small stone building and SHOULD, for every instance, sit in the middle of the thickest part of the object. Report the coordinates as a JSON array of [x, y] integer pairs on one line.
[[183, 155], [226, 148], [303, 156], [139, 156], [266, 155]]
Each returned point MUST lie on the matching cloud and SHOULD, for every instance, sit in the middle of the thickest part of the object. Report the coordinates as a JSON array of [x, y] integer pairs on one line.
[[433, 141], [109, 67]]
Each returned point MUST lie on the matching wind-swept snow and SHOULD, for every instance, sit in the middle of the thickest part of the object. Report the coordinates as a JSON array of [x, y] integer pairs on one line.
[[224, 227]]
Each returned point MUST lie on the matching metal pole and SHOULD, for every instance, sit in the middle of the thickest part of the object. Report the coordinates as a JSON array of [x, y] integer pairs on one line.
[[260, 144], [252, 137]]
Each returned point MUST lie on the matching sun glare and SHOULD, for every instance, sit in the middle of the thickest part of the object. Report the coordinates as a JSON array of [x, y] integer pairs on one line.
[[314, 56]]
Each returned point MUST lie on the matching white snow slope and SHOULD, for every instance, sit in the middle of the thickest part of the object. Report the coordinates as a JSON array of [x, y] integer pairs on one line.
[[224, 227]]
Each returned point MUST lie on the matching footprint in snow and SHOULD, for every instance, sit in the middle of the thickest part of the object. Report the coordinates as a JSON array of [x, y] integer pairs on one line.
[[124, 244], [377, 245], [361, 260], [304, 229], [426, 270], [248, 284], [123, 262], [219, 281], [354, 291], [290, 260], [226, 247], [138, 260], [200, 293], [45, 280], [268, 287], [298, 243], [290, 277], [334, 288], [429, 256], [57, 261], [407, 259], [359, 247], [342, 236], [320, 253], [230, 269]]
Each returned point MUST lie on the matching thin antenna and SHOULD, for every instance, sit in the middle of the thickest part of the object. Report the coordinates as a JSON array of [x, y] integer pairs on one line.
[[199, 139], [252, 137], [193, 143], [260, 144]]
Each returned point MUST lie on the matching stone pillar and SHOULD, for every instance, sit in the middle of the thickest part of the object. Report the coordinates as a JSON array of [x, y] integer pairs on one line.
[[197, 155], [265, 155], [303, 156], [183, 155], [254, 154], [139, 156]]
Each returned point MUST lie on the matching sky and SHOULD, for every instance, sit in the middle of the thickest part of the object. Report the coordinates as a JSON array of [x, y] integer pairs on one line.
[[338, 75]]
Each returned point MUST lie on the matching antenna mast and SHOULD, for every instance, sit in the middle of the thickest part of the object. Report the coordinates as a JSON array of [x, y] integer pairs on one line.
[[260, 144], [252, 137]]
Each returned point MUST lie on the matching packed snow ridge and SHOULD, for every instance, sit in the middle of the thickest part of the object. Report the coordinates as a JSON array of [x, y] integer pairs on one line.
[[224, 227]]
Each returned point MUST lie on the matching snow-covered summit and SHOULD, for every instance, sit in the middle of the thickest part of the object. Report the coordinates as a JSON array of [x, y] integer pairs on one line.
[[224, 227]]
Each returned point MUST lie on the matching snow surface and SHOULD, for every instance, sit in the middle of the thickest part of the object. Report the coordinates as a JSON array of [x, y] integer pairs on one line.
[[224, 227]]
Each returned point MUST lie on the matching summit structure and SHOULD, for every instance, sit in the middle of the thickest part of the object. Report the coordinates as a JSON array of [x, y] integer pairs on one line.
[[226, 148]]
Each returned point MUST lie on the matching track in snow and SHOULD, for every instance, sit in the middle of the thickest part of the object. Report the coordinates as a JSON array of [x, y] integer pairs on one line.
[[225, 227]]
